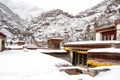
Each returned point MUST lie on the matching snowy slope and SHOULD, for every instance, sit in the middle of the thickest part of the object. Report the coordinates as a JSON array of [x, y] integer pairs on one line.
[[104, 7], [108, 11], [10, 23], [57, 23], [30, 65], [24, 10]]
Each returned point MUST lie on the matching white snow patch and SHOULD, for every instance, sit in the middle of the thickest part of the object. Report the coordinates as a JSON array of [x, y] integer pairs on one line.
[[110, 50]]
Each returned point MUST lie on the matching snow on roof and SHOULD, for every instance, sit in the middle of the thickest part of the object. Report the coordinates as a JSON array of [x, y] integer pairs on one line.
[[112, 74], [106, 26], [92, 42], [33, 65], [2, 34], [110, 50], [56, 38], [104, 67], [73, 67], [30, 46], [50, 51], [14, 47]]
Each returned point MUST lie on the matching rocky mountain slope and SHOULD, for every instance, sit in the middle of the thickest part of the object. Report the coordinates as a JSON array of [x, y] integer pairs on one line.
[[107, 11], [59, 24], [10, 23], [56, 24], [107, 6]]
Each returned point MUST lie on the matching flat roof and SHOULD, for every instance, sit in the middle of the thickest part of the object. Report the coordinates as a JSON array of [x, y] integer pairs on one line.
[[106, 26], [92, 42], [52, 51], [107, 50], [55, 39], [2, 34]]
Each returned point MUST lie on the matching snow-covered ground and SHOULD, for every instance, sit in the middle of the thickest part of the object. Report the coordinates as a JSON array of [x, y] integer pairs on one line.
[[33, 65], [30, 65]]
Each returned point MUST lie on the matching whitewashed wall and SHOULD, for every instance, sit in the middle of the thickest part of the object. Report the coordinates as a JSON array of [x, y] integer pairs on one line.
[[0, 44], [98, 37], [118, 31]]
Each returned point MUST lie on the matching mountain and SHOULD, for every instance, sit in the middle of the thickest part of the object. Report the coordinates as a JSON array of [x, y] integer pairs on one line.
[[106, 11], [107, 6], [59, 24], [10, 23], [24, 10], [56, 24]]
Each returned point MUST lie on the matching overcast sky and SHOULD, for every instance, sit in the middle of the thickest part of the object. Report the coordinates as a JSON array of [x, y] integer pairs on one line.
[[71, 6]]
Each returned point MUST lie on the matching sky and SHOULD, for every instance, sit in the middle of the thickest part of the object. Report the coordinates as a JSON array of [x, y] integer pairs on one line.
[[72, 6]]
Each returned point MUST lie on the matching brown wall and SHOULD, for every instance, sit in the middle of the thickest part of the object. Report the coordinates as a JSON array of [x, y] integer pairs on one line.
[[104, 55], [107, 35], [54, 43], [3, 43]]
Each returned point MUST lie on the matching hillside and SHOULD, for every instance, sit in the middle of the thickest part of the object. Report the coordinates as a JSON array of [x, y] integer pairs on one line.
[[57, 23], [107, 6], [10, 23], [107, 11], [24, 10]]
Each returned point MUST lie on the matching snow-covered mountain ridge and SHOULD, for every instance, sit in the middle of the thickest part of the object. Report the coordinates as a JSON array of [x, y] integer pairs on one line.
[[10, 23], [56, 23], [25, 11], [108, 11], [59, 24], [107, 6]]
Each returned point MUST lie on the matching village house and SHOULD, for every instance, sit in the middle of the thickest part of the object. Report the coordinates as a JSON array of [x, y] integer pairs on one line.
[[54, 43], [78, 50], [2, 41], [106, 37], [54, 49], [109, 32]]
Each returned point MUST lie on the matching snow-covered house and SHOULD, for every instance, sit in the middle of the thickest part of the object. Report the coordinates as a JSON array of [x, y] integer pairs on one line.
[[2, 41], [78, 50], [54, 43], [109, 32]]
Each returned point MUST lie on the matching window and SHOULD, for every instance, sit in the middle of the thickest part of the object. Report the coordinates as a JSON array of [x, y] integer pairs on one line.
[[108, 37], [104, 38]]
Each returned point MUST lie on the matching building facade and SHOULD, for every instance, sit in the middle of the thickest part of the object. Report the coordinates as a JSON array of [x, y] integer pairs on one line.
[[106, 37], [54, 43], [109, 32], [78, 50], [2, 41]]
